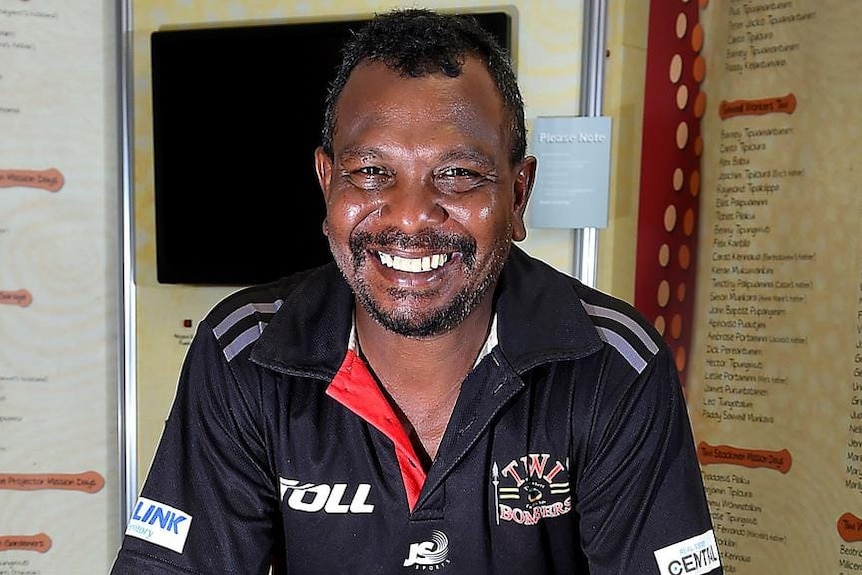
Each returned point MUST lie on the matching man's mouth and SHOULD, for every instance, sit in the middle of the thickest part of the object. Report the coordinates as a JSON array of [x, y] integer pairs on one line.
[[420, 253], [414, 265]]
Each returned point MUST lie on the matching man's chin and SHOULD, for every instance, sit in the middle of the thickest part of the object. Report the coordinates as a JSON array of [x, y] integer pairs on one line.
[[412, 324], [422, 314]]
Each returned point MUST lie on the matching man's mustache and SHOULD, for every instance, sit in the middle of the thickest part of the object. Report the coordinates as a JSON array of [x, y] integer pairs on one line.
[[426, 240]]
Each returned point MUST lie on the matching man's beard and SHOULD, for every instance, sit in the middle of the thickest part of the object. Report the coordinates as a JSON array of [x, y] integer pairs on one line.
[[424, 323]]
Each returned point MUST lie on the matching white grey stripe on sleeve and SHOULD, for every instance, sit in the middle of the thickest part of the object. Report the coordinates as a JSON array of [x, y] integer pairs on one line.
[[624, 347], [243, 312], [625, 320], [243, 340]]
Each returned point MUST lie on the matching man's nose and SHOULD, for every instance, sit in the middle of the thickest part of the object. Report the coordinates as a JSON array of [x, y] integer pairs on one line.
[[413, 206]]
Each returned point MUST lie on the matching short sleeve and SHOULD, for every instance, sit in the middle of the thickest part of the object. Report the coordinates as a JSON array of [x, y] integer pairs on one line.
[[640, 497], [209, 504]]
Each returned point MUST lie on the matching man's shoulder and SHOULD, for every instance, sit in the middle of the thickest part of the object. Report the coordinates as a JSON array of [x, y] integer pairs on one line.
[[258, 299], [569, 301], [621, 325], [240, 318]]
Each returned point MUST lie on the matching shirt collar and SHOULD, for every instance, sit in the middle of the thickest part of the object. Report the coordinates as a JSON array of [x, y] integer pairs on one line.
[[538, 318], [490, 341]]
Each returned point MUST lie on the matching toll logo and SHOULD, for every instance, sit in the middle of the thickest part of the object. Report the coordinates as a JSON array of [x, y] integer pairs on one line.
[[331, 499], [159, 524], [531, 488], [694, 556], [430, 555]]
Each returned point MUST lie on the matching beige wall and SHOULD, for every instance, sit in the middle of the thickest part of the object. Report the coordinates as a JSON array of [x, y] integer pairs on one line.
[[547, 47], [625, 73]]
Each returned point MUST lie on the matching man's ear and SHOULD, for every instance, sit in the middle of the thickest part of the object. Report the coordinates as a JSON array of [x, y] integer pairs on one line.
[[523, 187], [323, 168]]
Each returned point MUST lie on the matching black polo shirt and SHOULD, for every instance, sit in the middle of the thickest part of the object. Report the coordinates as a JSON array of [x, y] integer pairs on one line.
[[569, 449]]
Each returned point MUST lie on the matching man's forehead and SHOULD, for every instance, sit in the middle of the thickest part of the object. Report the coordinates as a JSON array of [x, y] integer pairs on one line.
[[375, 76], [375, 95]]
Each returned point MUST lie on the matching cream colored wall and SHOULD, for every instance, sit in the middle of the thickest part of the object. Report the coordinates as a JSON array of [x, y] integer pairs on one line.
[[625, 74], [547, 47]]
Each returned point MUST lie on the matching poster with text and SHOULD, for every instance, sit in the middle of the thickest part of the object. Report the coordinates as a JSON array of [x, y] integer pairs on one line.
[[59, 284], [775, 373]]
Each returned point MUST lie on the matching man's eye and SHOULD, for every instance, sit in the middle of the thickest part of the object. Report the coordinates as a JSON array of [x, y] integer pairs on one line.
[[459, 180], [458, 173], [368, 177], [371, 171]]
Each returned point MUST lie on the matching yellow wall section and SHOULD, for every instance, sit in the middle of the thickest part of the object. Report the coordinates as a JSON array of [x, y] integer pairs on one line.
[[547, 47], [625, 75]]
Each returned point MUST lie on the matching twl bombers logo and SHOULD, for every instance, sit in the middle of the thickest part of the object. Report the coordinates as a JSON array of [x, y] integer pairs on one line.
[[531, 488]]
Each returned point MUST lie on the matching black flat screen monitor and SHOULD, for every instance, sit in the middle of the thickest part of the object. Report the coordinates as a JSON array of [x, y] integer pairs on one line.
[[236, 118]]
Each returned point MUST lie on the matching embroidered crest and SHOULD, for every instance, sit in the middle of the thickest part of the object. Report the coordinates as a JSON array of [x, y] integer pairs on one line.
[[530, 488]]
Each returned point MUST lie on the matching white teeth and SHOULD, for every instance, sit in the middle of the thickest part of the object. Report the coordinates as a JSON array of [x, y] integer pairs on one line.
[[413, 265]]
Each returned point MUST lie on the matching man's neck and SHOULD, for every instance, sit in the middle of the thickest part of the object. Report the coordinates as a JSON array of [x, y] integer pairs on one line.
[[423, 376]]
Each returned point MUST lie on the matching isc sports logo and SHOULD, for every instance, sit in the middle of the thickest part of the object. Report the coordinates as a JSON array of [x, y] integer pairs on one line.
[[332, 499], [430, 555], [530, 488]]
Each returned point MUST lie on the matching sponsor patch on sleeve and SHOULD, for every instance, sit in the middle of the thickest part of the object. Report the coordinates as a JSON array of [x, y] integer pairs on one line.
[[694, 556], [159, 524]]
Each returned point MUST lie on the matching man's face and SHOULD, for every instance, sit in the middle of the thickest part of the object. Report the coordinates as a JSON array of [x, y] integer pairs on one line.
[[422, 201]]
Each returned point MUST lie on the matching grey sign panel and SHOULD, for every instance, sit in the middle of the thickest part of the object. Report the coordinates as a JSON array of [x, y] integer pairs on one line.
[[572, 182]]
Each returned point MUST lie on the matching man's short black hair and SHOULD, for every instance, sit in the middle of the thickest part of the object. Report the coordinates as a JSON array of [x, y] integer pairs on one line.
[[418, 42]]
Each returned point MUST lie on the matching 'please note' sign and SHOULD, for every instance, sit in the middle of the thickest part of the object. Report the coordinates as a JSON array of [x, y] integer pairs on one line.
[[572, 181]]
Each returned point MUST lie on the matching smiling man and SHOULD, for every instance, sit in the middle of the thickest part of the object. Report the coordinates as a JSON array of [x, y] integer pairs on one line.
[[436, 400]]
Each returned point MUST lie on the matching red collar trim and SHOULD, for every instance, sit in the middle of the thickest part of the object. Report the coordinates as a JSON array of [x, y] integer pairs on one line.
[[356, 389]]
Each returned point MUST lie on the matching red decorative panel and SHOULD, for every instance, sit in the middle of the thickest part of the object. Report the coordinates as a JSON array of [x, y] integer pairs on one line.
[[670, 172]]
